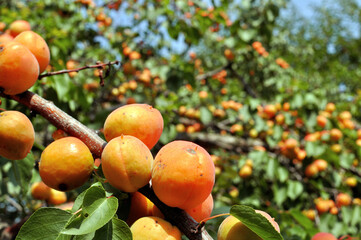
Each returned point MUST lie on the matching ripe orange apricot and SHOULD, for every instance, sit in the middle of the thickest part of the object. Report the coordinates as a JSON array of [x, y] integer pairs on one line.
[[323, 236], [40, 191], [16, 135], [37, 45], [203, 210], [66, 164], [154, 228], [57, 197], [19, 69], [4, 38], [18, 27], [127, 163], [139, 120], [140, 206], [183, 174], [343, 199]]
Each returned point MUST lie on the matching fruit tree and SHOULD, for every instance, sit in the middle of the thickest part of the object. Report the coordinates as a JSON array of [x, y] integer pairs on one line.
[[179, 119]]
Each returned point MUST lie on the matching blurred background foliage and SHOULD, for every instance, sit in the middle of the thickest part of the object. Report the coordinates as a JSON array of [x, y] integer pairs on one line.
[[238, 77]]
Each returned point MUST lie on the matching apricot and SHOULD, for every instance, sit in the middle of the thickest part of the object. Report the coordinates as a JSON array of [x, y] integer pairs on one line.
[[4, 38], [270, 219], [203, 210], [37, 46], [56, 197], [343, 199], [233, 229], [66, 164], [40, 191], [19, 68], [321, 164], [154, 228], [127, 163], [183, 174], [323, 236], [140, 206], [245, 171], [16, 135], [335, 134], [321, 121], [311, 170], [18, 27], [139, 120]]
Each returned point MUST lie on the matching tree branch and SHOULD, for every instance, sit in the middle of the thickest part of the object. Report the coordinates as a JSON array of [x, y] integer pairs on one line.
[[73, 127], [211, 73], [246, 87], [99, 66]]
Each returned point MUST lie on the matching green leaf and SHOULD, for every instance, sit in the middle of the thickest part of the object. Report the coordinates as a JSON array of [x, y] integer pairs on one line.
[[247, 35], [23, 171], [306, 223], [113, 230], [256, 222], [294, 189], [45, 223], [79, 200], [97, 210], [282, 173], [314, 149], [206, 115]]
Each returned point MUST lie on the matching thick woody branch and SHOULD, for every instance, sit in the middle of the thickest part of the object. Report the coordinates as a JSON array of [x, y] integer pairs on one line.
[[63, 121], [60, 119]]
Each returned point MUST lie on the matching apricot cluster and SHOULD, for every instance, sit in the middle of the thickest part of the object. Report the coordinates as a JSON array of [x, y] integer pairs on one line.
[[182, 173], [23, 56]]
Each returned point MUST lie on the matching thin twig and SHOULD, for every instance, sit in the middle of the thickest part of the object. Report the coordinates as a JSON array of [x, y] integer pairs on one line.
[[99, 66], [213, 72], [246, 87]]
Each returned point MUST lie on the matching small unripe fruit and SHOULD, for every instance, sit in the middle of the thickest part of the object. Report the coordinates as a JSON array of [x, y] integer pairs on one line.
[[351, 181], [310, 214], [245, 171]]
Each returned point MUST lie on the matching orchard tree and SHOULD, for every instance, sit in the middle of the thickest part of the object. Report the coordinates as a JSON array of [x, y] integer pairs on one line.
[[173, 115]]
